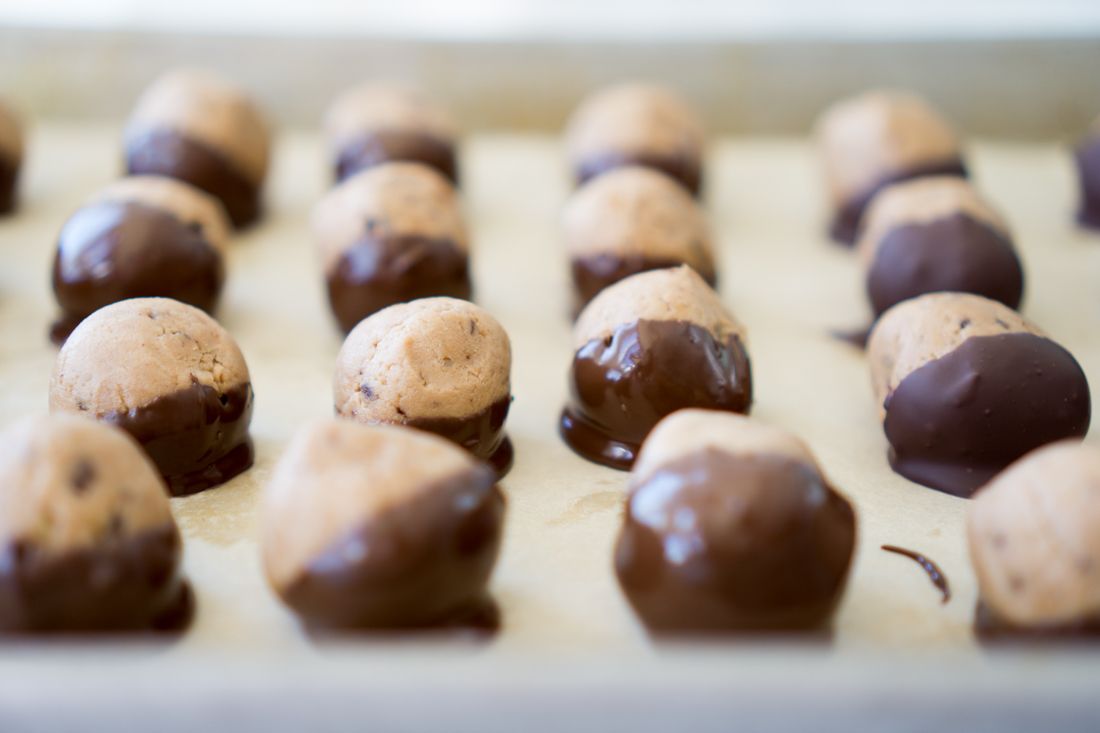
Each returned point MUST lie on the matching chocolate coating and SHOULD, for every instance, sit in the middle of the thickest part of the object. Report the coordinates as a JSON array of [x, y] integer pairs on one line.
[[683, 169], [593, 274], [482, 434], [127, 584], [768, 546], [958, 420], [114, 250], [174, 154], [846, 220], [9, 180], [991, 628], [379, 271], [198, 437], [1088, 170], [623, 385], [382, 146], [956, 253], [430, 559]]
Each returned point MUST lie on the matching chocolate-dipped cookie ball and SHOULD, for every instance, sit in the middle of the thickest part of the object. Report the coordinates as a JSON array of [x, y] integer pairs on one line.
[[169, 375], [381, 122], [390, 234], [630, 220], [966, 385], [437, 364], [200, 128], [11, 157], [645, 347], [875, 139], [1034, 536], [87, 539], [379, 527], [1088, 170], [636, 124], [731, 526], [140, 236], [936, 234]]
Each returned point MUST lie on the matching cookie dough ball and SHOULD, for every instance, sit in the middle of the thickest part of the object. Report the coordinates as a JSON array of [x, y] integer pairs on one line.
[[1034, 536], [11, 157], [202, 129], [636, 124], [378, 527], [1088, 170], [877, 138], [937, 234], [647, 346], [380, 122], [140, 236], [438, 364], [391, 234], [630, 220], [169, 375], [731, 527], [966, 386], [89, 543]]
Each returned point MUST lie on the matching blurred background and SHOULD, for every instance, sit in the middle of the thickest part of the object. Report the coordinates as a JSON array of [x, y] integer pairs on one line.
[[1006, 68]]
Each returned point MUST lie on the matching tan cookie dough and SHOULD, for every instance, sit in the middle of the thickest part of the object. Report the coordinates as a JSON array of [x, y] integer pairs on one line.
[[1034, 534], [378, 526], [375, 107], [96, 545], [11, 137]]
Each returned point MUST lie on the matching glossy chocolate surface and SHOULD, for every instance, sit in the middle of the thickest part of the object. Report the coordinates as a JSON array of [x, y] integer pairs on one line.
[[621, 386], [9, 184], [424, 563], [952, 254], [845, 226], [379, 271], [113, 250], [990, 627], [593, 274], [685, 170], [715, 542], [197, 437], [384, 146], [173, 154], [958, 420], [1088, 171], [482, 434], [125, 583]]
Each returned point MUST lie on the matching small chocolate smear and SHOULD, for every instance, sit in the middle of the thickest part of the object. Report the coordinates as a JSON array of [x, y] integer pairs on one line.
[[622, 386], [952, 254], [9, 184], [377, 272], [1088, 169], [845, 226], [958, 420], [593, 274], [170, 153], [397, 145], [991, 628], [83, 476], [684, 169], [482, 434], [856, 337], [934, 573]]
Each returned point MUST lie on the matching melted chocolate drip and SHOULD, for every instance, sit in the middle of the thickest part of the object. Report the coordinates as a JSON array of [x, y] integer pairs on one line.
[[1088, 169], [197, 437], [934, 573], [379, 271], [845, 226], [482, 434], [624, 384], [115, 250], [684, 169], [9, 184], [954, 254], [421, 564], [958, 420], [384, 146], [593, 274], [123, 583], [171, 153], [716, 542], [990, 628], [856, 337]]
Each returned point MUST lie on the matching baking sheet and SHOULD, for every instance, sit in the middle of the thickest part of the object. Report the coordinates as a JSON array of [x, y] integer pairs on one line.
[[554, 581]]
